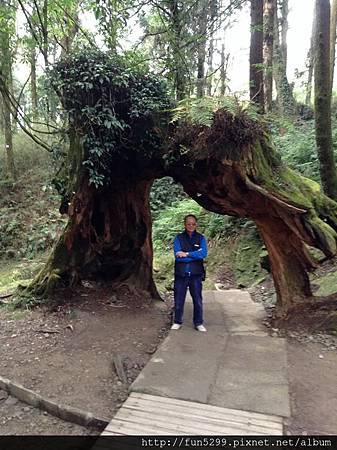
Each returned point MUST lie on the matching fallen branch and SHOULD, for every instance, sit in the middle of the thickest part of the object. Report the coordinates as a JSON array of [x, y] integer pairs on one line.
[[64, 412], [47, 331], [6, 296], [119, 368]]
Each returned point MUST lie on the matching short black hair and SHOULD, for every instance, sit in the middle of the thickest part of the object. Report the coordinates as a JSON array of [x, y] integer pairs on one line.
[[190, 215]]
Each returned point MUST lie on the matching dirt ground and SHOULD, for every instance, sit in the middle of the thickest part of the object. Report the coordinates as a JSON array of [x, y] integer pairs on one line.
[[66, 356]]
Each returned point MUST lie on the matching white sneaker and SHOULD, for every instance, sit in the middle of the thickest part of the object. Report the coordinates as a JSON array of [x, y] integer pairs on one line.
[[200, 328], [176, 326]]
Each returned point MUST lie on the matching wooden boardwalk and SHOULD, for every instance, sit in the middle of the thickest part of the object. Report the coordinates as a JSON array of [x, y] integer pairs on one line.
[[144, 414]]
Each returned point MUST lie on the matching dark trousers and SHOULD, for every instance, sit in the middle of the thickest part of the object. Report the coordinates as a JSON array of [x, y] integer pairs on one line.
[[194, 283]]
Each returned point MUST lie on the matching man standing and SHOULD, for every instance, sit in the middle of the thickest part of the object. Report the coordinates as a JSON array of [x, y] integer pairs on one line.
[[190, 249]]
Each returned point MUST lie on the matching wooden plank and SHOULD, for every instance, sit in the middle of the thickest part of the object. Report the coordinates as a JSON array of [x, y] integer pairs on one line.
[[189, 410], [197, 419], [144, 414], [134, 428], [188, 424], [205, 407]]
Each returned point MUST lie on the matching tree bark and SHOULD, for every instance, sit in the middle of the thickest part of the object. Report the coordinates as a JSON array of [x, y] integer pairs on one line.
[[256, 54], [333, 24], [269, 6], [327, 164], [285, 98]]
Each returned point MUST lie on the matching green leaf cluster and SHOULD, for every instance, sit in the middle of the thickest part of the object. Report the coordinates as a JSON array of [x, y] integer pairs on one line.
[[116, 107]]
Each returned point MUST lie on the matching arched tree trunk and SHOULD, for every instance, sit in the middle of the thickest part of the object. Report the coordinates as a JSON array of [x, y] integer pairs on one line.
[[230, 168]]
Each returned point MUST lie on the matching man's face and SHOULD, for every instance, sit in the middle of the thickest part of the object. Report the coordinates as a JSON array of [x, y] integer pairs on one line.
[[190, 224]]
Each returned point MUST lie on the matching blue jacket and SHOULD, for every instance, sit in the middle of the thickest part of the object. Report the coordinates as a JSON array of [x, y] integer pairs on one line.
[[196, 246]]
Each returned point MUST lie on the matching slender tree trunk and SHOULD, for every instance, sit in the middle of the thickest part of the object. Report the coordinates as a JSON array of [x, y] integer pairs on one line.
[[212, 18], [178, 57], [33, 87], [70, 31], [284, 30], [10, 164], [285, 98], [256, 53], [327, 164], [6, 72], [269, 6], [223, 70], [201, 51], [310, 59], [333, 24], [45, 33], [2, 116]]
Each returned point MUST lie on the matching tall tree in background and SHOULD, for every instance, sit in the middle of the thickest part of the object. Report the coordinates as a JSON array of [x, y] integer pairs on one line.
[[7, 27], [285, 98], [256, 53], [268, 38], [322, 72], [310, 60], [213, 8], [333, 24], [201, 50]]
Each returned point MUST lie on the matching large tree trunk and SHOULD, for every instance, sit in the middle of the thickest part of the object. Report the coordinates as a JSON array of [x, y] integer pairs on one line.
[[108, 235], [256, 53], [269, 6], [285, 97], [327, 164]]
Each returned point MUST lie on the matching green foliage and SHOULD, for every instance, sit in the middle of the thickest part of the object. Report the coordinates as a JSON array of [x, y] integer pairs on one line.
[[170, 222], [114, 106], [29, 218], [297, 145], [200, 111], [165, 191]]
